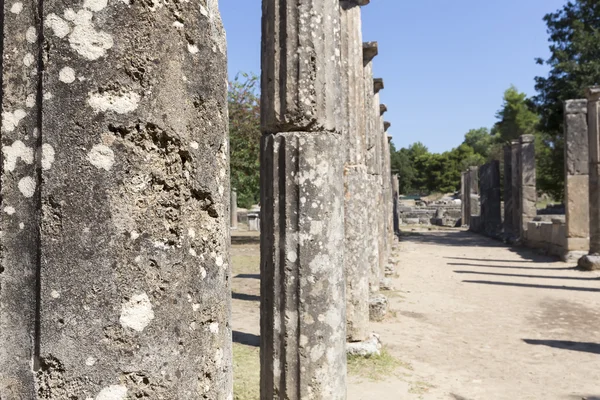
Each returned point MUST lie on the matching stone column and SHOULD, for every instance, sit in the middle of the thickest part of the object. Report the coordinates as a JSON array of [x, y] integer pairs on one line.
[[115, 200], [396, 197], [515, 148], [370, 50], [378, 157], [527, 181], [577, 207], [592, 260], [233, 210], [463, 195], [355, 176], [508, 196], [389, 191], [303, 302], [474, 206], [489, 184]]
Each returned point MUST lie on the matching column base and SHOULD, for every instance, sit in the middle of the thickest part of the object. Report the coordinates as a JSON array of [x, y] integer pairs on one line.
[[589, 262], [366, 348]]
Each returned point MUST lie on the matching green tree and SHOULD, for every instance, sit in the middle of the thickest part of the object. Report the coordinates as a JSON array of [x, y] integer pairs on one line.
[[402, 165], [244, 138], [516, 117], [480, 141], [574, 36]]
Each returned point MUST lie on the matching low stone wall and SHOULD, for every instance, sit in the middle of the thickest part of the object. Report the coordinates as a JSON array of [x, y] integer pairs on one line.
[[440, 215], [547, 233]]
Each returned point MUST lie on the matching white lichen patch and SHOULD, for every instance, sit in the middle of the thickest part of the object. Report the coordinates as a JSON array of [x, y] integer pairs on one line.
[[30, 101], [192, 48], [9, 210], [90, 361], [85, 39], [194, 145], [114, 392], [178, 25], [14, 152], [119, 103], [10, 120], [27, 186], [137, 313], [31, 34], [101, 157], [47, 156], [21, 225], [54, 294], [67, 75], [59, 26], [213, 327], [16, 8], [95, 5], [28, 60]]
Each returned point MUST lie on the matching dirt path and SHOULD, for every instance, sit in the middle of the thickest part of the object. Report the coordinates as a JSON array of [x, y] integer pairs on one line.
[[474, 320]]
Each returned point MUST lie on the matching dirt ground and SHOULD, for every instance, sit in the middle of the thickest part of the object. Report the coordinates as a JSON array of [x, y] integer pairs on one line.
[[471, 319]]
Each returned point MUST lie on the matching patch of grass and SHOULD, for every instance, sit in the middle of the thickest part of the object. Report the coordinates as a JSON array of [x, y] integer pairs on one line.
[[246, 372], [419, 387], [375, 368], [243, 264]]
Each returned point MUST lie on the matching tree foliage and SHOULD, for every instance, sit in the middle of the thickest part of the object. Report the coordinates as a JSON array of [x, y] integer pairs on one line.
[[244, 138]]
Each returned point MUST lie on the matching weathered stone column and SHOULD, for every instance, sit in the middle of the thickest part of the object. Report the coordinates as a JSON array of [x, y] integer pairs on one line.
[[577, 207], [355, 175], [303, 302], [489, 189], [527, 181], [508, 195], [464, 198], [592, 260], [370, 50], [515, 148], [115, 199], [378, 158], [474, 205], [396, 197], [233, 210]]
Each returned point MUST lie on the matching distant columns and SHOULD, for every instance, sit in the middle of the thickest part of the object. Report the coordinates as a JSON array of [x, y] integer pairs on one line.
[[303, 285], [577, 207], [508, 195], [515, 149]]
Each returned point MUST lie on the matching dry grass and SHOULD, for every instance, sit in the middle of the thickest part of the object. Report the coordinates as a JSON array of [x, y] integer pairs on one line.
[[375, 368], [246, 372]]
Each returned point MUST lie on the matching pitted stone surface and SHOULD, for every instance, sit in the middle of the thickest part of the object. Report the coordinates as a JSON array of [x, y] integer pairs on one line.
[[301, 66], [303, 303], [99, 272]]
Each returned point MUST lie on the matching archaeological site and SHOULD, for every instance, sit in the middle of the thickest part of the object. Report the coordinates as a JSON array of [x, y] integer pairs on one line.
[[170, 230]]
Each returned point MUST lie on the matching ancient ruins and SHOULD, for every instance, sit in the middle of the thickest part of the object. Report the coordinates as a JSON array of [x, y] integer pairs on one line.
[[117, 211]]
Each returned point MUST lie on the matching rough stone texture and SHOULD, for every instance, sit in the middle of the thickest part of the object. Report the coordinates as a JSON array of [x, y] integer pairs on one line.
[[593, 113], [301, 75], [515, 149], [508, 195], [378, 307], [489, 189], [303, 304], [356, 258], [367, 348], [115, 192], [576, 176], [233, 210], [396, 202], [372, 233], [527, 181], [463, 198], [355, 174]]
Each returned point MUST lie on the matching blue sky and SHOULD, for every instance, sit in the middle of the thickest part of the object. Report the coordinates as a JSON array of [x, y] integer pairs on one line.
[[445, 63]]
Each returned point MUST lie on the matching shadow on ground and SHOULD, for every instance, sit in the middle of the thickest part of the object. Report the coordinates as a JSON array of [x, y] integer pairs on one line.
[[593, 348], [529, 276], [250, 239], [534, 286], [244, 296], [248, 339]]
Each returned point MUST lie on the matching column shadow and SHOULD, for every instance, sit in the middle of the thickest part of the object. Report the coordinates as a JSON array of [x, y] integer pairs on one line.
[[585, 347], [528, 276], [527, 285], [248, 339]]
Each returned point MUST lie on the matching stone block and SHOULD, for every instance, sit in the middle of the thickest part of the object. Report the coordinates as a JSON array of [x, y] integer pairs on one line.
[[577, 206], [366, 348], [589, 263], [576, 143], [378, 307]]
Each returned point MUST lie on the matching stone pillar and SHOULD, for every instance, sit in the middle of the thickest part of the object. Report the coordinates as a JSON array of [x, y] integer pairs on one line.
[[355, 176], [489, 184], [592, 260], [396, 204], [577, 207], [515, 148], [508, 196], [370, 50], [303, 302], [464, 197], [233, 210], [527, 181], [389, 192], [474, 206], [378, 159], [115, 193]]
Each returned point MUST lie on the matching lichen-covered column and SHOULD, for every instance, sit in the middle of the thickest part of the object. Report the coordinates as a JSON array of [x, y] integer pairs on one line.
[[355, 175], [377, 159], [115, 193], [389, 190], [303, 303], [370, 51], [463, 197], [592, 260], [508, 197], [577, 207], [527, 182]]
